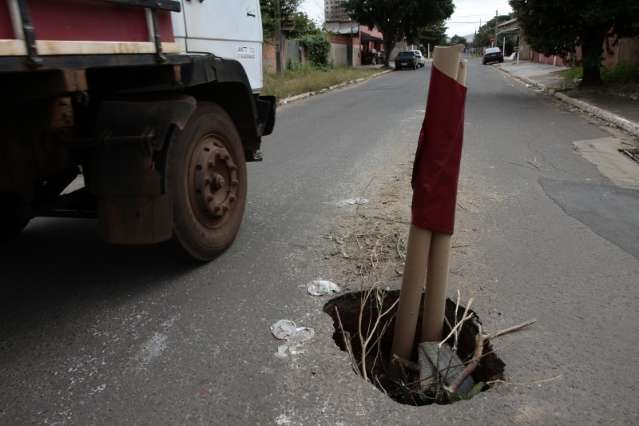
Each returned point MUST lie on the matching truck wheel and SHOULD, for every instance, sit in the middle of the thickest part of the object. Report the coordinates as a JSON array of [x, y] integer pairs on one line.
[[11, 221], [207, 180]]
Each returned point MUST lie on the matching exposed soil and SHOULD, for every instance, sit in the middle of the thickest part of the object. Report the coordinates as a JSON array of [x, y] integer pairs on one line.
[[345, 311]]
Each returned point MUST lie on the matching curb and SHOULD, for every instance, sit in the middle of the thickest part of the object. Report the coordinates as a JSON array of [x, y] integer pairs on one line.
[[306, 95], [610, 117], [621, 122]]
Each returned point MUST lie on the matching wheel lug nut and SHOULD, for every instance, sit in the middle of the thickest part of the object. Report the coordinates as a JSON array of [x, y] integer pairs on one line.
[[232, 198]]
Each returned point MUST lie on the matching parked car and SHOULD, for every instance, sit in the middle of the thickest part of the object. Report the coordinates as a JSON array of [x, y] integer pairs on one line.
[[492, 54], [420, 58], [407, 59]]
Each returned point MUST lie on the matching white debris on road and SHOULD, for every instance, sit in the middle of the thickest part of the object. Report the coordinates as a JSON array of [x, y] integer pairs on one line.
[[288, 330], [293, 335], [322, 287], [152, 348], [283, 419], [352, 202]]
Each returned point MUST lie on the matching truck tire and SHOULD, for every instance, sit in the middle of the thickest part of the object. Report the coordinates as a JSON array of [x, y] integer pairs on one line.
[[206, 177], [11, 221]]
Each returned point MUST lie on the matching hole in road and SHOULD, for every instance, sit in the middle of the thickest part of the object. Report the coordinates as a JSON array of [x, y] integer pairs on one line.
[[349, 311]]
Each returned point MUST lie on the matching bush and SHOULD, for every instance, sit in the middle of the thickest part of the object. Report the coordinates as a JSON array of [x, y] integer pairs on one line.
[[622, 73], [318, 48]]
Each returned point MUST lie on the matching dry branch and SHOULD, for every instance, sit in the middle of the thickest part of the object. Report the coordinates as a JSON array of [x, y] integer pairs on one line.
[[512, 329], [472, 365]]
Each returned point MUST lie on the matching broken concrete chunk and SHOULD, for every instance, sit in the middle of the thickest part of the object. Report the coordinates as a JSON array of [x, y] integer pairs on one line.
[[441, 364]]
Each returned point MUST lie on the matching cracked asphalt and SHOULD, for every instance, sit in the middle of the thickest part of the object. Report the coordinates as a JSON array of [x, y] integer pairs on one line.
[[92, 334]]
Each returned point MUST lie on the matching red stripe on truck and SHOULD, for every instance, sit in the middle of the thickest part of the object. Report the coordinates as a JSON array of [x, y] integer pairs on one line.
[[6, 28], [82, 20]]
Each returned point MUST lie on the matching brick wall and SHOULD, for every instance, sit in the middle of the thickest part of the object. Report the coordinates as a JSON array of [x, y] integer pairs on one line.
[[269, 56]]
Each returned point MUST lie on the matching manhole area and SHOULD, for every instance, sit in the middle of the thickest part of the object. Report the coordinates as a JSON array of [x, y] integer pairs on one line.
[[353, 312]]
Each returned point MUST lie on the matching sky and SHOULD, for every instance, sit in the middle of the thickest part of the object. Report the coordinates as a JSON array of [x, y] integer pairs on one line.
[[464, 21]]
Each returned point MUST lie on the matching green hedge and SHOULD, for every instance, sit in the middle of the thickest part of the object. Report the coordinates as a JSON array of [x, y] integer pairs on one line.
[[318, 48]]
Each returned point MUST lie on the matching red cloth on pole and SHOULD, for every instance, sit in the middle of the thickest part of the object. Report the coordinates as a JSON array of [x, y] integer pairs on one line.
[[436, 168]]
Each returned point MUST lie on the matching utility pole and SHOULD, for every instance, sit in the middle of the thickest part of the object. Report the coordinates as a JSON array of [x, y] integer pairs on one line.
[[278, 36], [478, 30], [496, 19], [349, 51]]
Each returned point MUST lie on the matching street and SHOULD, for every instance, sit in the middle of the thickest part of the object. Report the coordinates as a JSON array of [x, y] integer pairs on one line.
[[94, 334]]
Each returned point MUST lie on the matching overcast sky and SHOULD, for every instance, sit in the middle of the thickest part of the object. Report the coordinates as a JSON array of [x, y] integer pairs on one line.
[[464, 21]]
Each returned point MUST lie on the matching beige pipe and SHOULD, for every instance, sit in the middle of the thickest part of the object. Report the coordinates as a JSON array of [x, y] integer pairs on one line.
[[447, 60], [411, 293], [438, 262]]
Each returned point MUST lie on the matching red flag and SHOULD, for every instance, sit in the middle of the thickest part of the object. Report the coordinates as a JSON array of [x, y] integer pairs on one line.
[[436, 168]]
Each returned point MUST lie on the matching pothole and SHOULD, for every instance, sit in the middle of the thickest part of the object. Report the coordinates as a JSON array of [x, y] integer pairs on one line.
[[350, 314]]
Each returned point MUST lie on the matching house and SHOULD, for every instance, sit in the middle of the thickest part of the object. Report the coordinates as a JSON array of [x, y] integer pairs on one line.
[[351, 43], [622, 51]]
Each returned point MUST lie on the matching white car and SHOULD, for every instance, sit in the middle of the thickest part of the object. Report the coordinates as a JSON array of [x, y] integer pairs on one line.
[[421, 61]]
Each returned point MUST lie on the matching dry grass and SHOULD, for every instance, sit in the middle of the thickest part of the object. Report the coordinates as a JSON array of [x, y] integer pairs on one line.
[[309, 79], [377, 251]]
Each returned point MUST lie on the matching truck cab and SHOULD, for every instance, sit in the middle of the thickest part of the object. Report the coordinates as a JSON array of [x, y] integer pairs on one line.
[[140, 113], [232, 31]]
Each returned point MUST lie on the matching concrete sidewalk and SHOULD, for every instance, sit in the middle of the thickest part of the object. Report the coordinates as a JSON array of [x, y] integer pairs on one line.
[[542, 75], [613, 106]]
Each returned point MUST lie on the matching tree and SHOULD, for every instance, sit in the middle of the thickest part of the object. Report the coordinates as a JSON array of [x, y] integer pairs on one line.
[[558, 27], [432, 35], [300, 25], [458, 40], [398, 19], [288, 10], [487, 31]]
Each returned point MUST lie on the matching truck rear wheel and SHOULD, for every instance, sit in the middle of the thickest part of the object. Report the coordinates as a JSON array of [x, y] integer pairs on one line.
[[207, 180], [11, 221]]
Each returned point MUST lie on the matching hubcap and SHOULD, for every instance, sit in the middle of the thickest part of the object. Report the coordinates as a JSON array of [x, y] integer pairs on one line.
[[213, 181]]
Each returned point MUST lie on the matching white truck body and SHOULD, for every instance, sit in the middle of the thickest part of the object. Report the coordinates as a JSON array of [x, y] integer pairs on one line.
[[229, 29]]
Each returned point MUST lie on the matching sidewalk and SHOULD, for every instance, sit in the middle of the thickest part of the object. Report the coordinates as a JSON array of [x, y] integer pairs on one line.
[[542, 75], [609, 103]]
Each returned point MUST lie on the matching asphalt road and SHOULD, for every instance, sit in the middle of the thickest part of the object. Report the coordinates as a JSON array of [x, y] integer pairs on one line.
[[91, 334]]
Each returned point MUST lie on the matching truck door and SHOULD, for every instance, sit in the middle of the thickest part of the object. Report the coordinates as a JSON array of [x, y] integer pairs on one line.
[[229, 29]]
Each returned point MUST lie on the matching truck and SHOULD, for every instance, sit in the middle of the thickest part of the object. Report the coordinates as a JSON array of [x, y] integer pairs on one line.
[[139, 113]]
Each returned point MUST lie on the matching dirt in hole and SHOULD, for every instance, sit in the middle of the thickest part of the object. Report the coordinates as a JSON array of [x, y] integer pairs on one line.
[[489, 369]]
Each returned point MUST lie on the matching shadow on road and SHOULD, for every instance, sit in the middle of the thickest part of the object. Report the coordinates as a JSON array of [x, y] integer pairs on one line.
[[60, 268]]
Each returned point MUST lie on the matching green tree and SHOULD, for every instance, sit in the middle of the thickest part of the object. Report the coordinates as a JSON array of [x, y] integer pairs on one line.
[[433, 35], [487, 31], [458, 40], [300, 24], [558, 27], [399, 19], [288, 9]]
